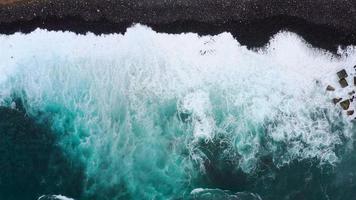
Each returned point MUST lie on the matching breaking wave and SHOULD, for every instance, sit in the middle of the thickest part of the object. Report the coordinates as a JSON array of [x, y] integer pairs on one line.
[[147, 114]]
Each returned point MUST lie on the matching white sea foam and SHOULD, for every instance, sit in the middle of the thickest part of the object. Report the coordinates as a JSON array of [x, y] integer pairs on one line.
[[54, 197], [114, 101], [198, 104]]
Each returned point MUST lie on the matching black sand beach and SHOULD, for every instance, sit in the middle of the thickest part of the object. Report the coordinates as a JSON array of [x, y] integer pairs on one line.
[[325, 24]]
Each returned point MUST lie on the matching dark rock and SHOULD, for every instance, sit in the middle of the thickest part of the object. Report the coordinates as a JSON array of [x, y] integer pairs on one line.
[[345, 104], [343, 83], [330, 88], [336, 100], [352, 92], [342, 74], [350, 112], [355, 80]]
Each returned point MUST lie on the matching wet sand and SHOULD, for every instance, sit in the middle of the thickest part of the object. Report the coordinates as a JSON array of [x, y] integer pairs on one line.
[[324, 24]]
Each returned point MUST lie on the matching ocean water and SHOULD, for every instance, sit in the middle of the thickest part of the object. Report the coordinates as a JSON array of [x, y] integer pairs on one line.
[[147, 115]]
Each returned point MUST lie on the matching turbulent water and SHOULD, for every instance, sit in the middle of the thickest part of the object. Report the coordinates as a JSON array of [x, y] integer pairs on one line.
[[147, 115]]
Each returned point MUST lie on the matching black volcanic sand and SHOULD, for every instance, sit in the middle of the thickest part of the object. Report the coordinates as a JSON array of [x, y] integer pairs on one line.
[[31, 163], [325, 24]]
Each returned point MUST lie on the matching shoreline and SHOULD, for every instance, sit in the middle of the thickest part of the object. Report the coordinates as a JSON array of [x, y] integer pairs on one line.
[[323, 25]]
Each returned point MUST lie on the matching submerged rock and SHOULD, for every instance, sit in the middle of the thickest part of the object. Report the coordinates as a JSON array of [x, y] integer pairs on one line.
[[350, 112], [343, 83], [345, 104], [342, 74], [336, 100]]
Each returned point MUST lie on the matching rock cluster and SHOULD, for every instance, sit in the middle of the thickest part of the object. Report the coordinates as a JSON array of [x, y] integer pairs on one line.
[[347, 101]]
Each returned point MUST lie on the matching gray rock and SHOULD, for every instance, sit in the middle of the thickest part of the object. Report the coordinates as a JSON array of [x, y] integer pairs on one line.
[[350, 112], [343, 83], [345, 104], [330, 88], [342, 74]]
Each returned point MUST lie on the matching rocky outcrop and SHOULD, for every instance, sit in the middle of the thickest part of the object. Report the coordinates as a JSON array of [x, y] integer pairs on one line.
[[345, 94]]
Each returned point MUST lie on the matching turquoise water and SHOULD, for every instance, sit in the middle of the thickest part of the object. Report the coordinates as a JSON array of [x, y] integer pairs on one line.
[[157, 116]]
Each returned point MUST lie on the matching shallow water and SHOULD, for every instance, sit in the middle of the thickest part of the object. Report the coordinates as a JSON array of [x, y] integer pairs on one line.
[[156, 116]]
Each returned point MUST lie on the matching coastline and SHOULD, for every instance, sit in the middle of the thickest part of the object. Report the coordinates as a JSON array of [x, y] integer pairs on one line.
[[146, 115], [324, 25]]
